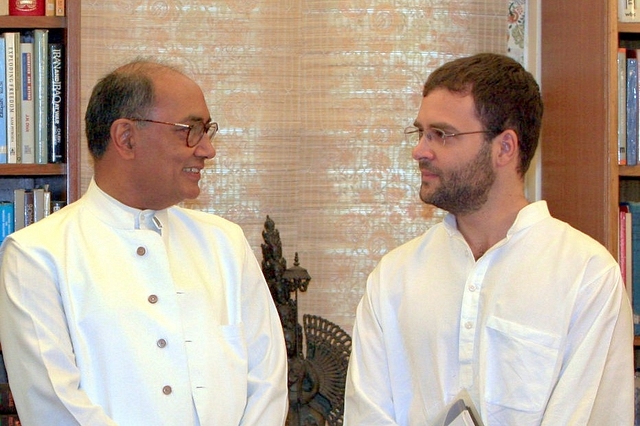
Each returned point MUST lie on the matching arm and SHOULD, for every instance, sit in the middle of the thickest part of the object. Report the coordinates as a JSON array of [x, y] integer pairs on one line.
[[368, 398], [596, 384], [267, 395], [36, 345]]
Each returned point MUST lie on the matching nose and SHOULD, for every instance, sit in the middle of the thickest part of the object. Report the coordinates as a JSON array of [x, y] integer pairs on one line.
[[422, 150], [205, 149]]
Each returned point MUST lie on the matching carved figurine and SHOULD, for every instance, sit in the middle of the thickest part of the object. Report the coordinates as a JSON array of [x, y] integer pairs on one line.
[[317, 380]]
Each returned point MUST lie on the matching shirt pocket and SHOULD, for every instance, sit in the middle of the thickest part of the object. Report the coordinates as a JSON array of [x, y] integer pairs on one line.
[[521, 363]]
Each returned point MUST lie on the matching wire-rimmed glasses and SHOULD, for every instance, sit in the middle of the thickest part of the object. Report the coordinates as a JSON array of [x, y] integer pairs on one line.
[[433, 134], [195, 131]]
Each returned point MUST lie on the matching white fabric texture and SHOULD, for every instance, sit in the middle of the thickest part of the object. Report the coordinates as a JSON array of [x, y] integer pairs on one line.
[[109, 316], [538, 330]]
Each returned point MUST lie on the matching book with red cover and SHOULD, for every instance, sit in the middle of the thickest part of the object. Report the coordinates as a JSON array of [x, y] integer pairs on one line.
[[27, 7]]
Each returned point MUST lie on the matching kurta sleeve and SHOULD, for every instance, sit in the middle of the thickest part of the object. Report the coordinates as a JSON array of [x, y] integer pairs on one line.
[[267, 396], [37, 350], [368, 396], [596, 385]]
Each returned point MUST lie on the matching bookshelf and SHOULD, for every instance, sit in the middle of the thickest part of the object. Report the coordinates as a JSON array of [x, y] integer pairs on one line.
[[63, 178], [580, 174]]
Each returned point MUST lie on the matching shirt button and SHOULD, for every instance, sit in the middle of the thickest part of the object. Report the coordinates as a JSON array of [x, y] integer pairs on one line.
[[472, 288], [141, 251], [468, 325], [153, 298], [167, 390], [162, 343]]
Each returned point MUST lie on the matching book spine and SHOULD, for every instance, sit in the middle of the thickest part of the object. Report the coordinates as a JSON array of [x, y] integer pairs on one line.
[[622, 107], [6, 219], [632, 111], [41, 102], [627, 11], [56, 103], [27, 107], [29, 214], [38, 204], [9, 420], [7, 404], [60, 7], [18, 208], [4, 7], [27, 7], [50, 8], [13, 95], [3, 105]]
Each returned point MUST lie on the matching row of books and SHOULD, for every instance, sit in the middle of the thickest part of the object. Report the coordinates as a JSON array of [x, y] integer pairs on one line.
[[629, 255], [28, 206], [31, 98], [32, 7], [628, 126], [8, 411]]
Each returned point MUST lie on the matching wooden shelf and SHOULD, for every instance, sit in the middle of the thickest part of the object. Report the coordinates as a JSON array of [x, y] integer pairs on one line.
[[629, 27], [28, 22], [33, 170]]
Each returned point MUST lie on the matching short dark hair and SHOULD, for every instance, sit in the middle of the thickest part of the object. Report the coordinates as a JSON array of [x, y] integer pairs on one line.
[[126, 92], [506, 96]]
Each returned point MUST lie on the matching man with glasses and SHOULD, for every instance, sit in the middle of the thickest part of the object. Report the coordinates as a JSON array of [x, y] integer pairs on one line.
[[515, 313], [125, 309]]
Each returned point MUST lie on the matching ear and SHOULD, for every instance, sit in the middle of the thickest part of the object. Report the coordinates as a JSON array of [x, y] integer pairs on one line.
[[123, 134], [508, 148]]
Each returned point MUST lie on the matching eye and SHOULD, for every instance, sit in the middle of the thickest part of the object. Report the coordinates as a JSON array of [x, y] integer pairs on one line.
[[436, 135]]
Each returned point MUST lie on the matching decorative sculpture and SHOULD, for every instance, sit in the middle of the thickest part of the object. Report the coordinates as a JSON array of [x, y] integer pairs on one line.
[[317, 378]]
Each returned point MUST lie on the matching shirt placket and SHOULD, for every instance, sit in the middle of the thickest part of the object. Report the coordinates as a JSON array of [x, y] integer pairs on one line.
[[468, 321]]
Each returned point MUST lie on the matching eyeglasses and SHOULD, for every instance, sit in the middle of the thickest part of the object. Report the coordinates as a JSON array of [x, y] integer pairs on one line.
[[433, 134], [195, 132]]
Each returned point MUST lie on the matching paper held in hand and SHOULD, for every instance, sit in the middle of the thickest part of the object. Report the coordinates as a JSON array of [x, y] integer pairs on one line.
[[460, 412]]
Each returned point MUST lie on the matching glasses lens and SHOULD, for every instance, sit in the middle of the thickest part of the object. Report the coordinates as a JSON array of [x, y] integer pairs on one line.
[[195, 134], [213, 129], [436, 135]]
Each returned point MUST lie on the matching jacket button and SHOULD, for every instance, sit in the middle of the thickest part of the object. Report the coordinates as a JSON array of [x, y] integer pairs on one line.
[[162, 343], [141, 251], [166, 390], [153, 298]]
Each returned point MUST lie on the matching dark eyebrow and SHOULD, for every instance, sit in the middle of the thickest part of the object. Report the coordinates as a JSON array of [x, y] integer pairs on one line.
[[193, 118]]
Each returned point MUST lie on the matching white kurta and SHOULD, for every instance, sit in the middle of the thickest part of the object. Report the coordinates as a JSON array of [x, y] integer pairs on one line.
[[107, 319], [538, 330]]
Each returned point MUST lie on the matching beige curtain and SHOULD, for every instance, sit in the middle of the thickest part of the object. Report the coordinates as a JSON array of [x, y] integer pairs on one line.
[[311, 97]]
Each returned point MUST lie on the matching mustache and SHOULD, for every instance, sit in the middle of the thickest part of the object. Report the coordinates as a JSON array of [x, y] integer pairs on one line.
[[427, 166]]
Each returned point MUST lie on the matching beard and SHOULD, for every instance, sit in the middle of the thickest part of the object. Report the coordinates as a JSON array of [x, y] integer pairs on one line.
[[462, 190]]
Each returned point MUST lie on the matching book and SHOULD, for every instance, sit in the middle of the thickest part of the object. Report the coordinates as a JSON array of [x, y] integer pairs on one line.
[[634, 209], [7, 404], [622, 116], [27, 107], [50, 8], [12, 67], [29, 213], [56, 117], [6, 219], [40, 94], [18, 209], [627, 11], [632, 108], [3, 105], [9, 420], [460, 412], [4, 7], [27, 7], [38, 204], [625, 248], [60, 8]]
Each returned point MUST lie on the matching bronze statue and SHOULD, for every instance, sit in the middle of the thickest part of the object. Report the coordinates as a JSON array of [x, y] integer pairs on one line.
[[317, 378]]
